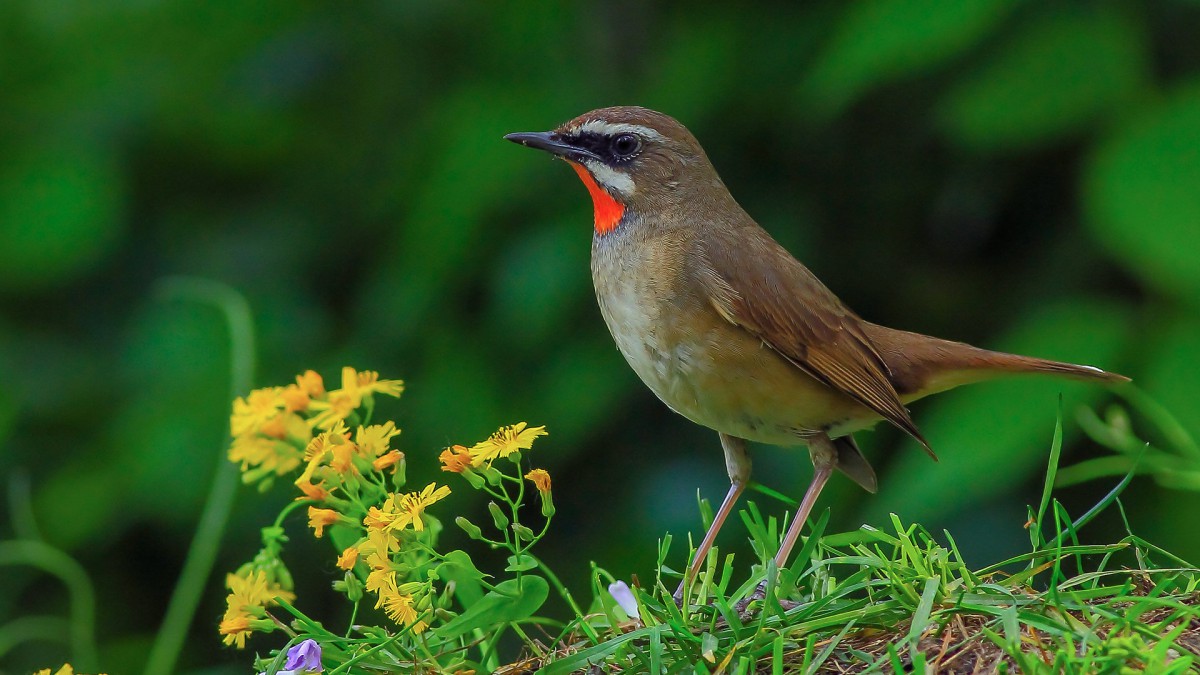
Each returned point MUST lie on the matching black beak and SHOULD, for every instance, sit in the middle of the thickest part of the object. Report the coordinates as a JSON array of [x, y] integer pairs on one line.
[[552, 142]]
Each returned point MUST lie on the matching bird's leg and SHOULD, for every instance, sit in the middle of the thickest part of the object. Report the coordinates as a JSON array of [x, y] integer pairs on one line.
[[737, 463], [824, 459]]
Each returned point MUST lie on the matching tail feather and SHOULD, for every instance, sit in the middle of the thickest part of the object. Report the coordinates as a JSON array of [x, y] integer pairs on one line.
[[921, 365]]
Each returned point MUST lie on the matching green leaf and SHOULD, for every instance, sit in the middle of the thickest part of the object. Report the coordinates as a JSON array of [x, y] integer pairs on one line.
[[881, 40], [1058, 75], [457, 566], [523, 563], [512, 600], [1141, 198]]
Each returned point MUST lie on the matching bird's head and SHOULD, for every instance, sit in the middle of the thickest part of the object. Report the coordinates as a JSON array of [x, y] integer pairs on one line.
[[632, 160]]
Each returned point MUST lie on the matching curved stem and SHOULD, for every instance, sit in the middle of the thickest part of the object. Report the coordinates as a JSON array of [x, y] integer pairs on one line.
[[82, 624], [20, 500], [30, 628], [203, 552], [292, 506]]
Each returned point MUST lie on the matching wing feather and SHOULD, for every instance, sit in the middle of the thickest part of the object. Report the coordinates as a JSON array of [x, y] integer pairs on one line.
[[770, 294]]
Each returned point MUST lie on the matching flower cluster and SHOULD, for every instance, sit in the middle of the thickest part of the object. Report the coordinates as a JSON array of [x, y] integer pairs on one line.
[[273, 428], [254, 587], [351, 482], [246, 606]]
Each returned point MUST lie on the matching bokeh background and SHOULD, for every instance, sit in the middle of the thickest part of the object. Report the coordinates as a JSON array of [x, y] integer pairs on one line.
[[1024, 176]]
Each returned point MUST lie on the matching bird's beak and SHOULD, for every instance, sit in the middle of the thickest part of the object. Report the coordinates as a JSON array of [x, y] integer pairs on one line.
[[552, 142]]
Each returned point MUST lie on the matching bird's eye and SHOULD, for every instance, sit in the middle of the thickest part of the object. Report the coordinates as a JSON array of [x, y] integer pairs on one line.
[[626, 145]]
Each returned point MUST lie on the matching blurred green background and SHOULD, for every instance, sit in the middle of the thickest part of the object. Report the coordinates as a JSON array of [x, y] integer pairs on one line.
[[1024, 176]]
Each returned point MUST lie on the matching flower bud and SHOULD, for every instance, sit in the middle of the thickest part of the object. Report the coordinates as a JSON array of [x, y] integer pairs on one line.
[[522, 532], [470, 528], [492, 475], [400, 477], [498, 516], [351, 586], [473, 478]]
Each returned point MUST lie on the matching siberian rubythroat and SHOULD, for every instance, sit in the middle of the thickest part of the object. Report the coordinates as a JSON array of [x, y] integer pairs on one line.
[[731, 331]]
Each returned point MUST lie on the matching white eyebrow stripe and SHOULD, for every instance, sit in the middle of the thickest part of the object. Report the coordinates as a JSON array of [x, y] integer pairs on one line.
[[613, 128], [610, 177]]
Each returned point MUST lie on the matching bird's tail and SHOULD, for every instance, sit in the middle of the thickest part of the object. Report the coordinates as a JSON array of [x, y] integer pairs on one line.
[[921, 365]]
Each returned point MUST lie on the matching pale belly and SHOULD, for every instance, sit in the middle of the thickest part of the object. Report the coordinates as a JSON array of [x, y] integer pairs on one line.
[[715, 373]]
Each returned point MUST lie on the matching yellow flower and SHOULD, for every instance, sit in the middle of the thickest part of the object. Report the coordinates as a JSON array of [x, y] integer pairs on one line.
[[337, 408], [235, 627], [381, 581], [378, 546], [381, 518], [348, 558], [295, 398], [413, 504], [392, 458], [326, 440], [355, 386], [342, 460], [266, 453], [399, 608], [248, 595], [455, 458], [375, 440], [255, 589], [367, 382], [319, 519], [399, 511], [276, 427], [311, 384], [314, 492], [540, 479], [505, 442], [251, 412]]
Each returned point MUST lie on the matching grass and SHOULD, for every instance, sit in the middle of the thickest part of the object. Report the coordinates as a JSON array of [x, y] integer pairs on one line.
[[903, 600]]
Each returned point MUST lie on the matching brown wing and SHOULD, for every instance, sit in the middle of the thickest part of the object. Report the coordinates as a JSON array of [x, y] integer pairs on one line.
[[769, 293]]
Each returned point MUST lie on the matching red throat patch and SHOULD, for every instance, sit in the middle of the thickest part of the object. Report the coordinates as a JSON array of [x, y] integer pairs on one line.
[[608, 210]]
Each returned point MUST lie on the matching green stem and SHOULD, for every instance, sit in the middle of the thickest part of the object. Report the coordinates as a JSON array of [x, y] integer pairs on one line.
[[82, 623], [353, 616], [566, 595], [345, 667], [30, 628], [20, 500], [203, 552], [292, 506]]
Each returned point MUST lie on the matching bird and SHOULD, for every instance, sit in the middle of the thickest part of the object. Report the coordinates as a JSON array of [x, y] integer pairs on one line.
[[731, 331]]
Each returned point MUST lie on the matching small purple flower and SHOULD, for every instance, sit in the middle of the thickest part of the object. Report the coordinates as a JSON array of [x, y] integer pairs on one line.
[[620, 592], [304, 658]]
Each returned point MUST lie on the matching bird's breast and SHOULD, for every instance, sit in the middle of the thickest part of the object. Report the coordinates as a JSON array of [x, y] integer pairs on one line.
[[703, 367]]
